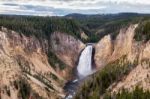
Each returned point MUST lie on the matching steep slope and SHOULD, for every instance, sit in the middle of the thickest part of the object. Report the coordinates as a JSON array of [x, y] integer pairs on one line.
[[123, 63], [38, 54], [66, 47], [25, 68], [108, 50], [41, 29], [140, 76]]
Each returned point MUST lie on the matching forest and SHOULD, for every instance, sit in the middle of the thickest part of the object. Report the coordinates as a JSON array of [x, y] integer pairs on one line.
[[136, 93], [41, 27], [94, 26], [101, 25]]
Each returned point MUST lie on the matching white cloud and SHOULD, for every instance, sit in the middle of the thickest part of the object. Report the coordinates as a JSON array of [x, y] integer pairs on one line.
[[70, 4], [55, 7]]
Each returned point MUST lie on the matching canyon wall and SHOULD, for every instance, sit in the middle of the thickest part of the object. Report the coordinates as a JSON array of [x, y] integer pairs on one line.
[[24, 62], [66, 47], [140, 75], [108, 50], [26, 59]]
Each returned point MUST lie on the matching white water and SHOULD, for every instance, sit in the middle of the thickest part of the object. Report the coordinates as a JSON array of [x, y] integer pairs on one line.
[[84, 67]]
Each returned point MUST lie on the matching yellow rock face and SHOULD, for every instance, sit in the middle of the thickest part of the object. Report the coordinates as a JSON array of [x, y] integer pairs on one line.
[[23, 57], [124, 44], [66, 47], [108, 50]]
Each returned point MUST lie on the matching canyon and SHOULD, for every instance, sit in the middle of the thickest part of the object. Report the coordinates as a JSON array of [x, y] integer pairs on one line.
[[26, 58], [45, 68]]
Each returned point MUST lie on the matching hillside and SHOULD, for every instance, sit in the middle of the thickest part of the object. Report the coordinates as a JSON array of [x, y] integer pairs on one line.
[[123, 68], [34, 66], [97, 26], [87, 28], [39, 55]]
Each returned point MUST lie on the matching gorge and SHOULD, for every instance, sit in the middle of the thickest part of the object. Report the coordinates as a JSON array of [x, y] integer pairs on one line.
[[51, 57]]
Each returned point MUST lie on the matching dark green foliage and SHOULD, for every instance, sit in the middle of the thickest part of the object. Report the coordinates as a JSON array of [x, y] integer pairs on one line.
[[97, 84], [101, 25], [137, 93], [44, 80], [143, 31], [24, 65], [15, 84], [92, 38], [55, 62], [53, 76], [41, 27], [95, 26], [7, 90], [25, 89]]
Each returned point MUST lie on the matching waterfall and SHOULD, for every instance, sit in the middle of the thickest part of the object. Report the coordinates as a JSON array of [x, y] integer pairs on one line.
[[84, 67]]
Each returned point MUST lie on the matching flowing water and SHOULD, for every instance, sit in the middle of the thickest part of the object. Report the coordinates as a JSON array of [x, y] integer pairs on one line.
[[84, 68]]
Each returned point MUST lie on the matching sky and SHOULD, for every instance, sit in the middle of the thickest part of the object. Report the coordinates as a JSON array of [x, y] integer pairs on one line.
[[64, 7]]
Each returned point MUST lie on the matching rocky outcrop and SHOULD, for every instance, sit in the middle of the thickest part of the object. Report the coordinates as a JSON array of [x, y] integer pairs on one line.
[[66, 47], [145, 53], [25, 59], [84, 36], [138, 53], [103, 51], [123, 43], [140, 76], [107, 50]]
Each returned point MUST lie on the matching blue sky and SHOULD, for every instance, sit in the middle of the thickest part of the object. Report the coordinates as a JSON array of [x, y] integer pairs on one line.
[[63, 7]]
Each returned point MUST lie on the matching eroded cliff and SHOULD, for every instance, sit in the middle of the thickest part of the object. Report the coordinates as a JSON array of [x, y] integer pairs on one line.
[[108, 51], [25, 70], [66, 47]]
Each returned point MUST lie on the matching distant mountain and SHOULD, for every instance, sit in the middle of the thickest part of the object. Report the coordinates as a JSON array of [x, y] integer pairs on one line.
[[103, 24], [105, 16]]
